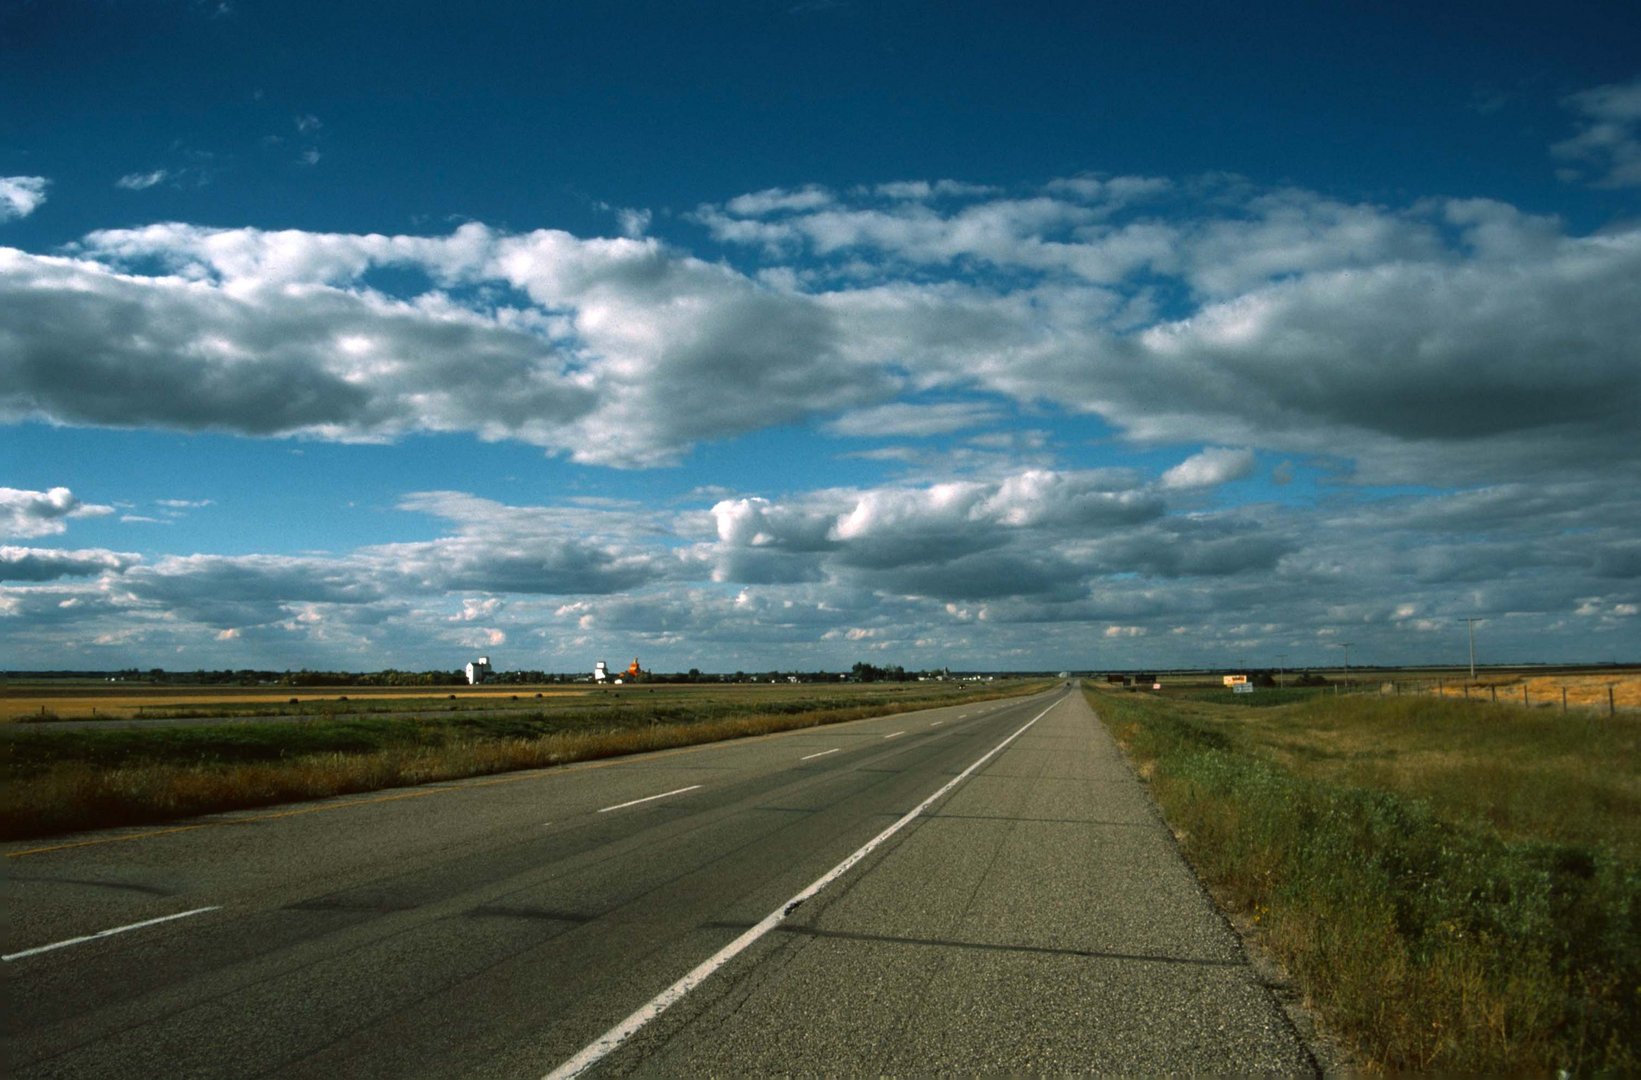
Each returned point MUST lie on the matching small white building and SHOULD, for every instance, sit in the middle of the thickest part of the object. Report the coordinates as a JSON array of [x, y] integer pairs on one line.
[[478, 671], [601, 672]]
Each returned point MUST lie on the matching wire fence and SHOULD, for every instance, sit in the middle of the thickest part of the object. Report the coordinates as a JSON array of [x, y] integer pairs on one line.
[[1542, 692]]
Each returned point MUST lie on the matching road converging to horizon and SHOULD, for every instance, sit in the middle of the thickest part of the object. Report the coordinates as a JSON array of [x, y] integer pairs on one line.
[[977, 888]]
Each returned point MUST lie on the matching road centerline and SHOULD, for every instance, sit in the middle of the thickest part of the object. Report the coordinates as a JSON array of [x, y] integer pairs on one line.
[[648, 798], [823, 753], [613, 1039], [106, 933]]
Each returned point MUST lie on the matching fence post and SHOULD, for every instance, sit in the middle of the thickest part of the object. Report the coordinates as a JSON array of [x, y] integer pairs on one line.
[[1524, 701], [1563, 701], [1467, 691], [1495, 689], [1612, 710]]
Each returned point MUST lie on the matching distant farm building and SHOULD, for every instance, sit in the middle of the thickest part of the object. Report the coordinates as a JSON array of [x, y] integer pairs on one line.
[[478, 671], [601, 673]]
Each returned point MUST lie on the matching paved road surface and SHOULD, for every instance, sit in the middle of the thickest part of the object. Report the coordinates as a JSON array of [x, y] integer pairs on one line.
[[1036, 917]]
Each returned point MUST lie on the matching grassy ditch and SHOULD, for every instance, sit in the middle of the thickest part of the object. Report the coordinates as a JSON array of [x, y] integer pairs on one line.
[[62, 781], [1455, 888]]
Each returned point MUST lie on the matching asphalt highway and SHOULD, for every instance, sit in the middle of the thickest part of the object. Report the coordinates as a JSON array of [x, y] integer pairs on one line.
[[981, 888]]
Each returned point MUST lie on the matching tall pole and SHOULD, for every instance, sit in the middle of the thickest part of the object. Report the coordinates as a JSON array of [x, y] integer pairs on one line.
[[1345, 645], [1471, 623]]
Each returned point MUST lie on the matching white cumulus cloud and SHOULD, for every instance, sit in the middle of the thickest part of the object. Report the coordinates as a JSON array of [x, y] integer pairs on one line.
[[1214, 466], [20, 196], [1193, 313], [45, 564], [142, 181], [1607, 149], [26, 513]]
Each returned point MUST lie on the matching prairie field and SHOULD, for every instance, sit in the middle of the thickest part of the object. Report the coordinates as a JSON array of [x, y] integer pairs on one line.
[[129, 701], [1453, 885], [247, 751], [1584, 691]]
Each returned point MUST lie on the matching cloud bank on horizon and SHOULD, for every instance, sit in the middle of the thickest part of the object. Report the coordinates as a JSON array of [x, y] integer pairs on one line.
[[1095, 420]]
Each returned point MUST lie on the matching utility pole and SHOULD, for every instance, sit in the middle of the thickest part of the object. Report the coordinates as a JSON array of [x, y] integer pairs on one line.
[[1345, 645], [1280, 657], [1471, 623]]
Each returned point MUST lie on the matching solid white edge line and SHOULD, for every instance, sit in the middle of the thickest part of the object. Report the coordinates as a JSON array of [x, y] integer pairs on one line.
[[106, 933], [612, 1039], [823, 753], [648, 798]]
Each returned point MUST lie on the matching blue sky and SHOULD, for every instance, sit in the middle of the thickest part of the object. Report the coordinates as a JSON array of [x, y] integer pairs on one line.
[[785, 335]]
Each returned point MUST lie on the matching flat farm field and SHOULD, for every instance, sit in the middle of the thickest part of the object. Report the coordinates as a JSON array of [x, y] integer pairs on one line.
[[202, 750], [79, 700], [1586, 691], [1534, 687]]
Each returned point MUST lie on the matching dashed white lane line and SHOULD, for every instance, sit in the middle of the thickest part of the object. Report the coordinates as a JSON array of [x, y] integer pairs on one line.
[[608, 1042], [106, 933], [893, 734], [648, 798], [937, 723], [823, 753]]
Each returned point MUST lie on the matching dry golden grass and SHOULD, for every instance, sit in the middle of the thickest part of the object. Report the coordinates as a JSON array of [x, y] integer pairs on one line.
[[123, 701], [82, 794], [1583, 691]]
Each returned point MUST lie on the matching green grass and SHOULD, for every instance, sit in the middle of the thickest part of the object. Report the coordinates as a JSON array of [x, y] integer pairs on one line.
[[1455, 888], [59, 781], [1264, 697]]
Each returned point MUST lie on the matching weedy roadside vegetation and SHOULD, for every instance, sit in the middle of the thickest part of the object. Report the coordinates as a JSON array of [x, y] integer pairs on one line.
[[1455, 887], [67, 780]]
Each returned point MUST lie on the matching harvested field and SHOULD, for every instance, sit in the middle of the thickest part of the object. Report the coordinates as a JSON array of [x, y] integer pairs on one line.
[[1583, 691], [61, 777], [80, 701]]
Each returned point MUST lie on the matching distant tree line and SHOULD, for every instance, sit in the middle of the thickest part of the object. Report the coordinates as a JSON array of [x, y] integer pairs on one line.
[[860, 672], [864, 672]]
